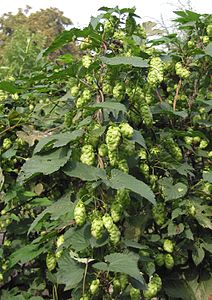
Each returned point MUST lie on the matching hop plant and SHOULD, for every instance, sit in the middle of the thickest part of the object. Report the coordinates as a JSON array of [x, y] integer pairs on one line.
[[103, 150], [86, 61], [51, 261], [169, 261], [113, 138], [94, 287], [80, 213], [87, 155], [159, 213], [181, 71], [168, 246], [155, 74], [126, 130], [116, 211], [135, 294], [97, 228]]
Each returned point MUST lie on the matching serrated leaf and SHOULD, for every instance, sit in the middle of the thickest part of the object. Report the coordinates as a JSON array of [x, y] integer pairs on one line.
[[25, 254], [121, 263], [121, 180], [84, 172], [208, 49], [58, 140], [138, 138], [172, 191], [178, 288], [46, 164], [174, 229], [198, 254], [70, 273], [56, 210], [207, 176], [124, 60], [76, 238], [202, 287]]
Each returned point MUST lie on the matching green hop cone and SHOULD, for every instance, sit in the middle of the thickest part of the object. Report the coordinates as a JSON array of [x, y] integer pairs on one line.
[[75, 91], [107, 221], [168, 246], [157, 281], [123, 281], [160, 259], [113, 138], [102, 150], [118, 91], [146, 115], [60, 240], [181, 71], [116, 211], [169, 261], [123, 197], [151, 291], [80, 213], [87, 155], [113, 157], [94, 287], [159, 213], [142, 154], [97, 227], [126, 130], [114, 234], [123, 166], [135, 294], [86, 61], [7, 143], [51, 261]]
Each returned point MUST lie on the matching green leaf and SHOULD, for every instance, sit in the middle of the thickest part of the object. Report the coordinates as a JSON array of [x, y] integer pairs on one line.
[[120, 180], [58, 140], [208, 49], [203, 216], [25, 254], [84, 172], [201, 287], [58, 209], [70, 273], [76, 238], [207, 176], [44, 163], [122, 60], [198, 254], [178, 289], [9, 87], [174, 229], [122, 263], [110, 105], [138, 138], [172, 191]]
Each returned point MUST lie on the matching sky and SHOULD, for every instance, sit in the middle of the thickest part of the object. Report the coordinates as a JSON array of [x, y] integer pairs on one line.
[[80, 11]]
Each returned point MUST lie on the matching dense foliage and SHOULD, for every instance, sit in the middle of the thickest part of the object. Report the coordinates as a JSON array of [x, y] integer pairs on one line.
[[24, 35], [106, 174]]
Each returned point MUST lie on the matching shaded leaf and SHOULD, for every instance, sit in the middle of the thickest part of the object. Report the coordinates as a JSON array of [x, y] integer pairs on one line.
[[138, 138], [70, 273], [84, 172], [58, 140], [25, 254], [121, 180], [44, 163], [123, 263]]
